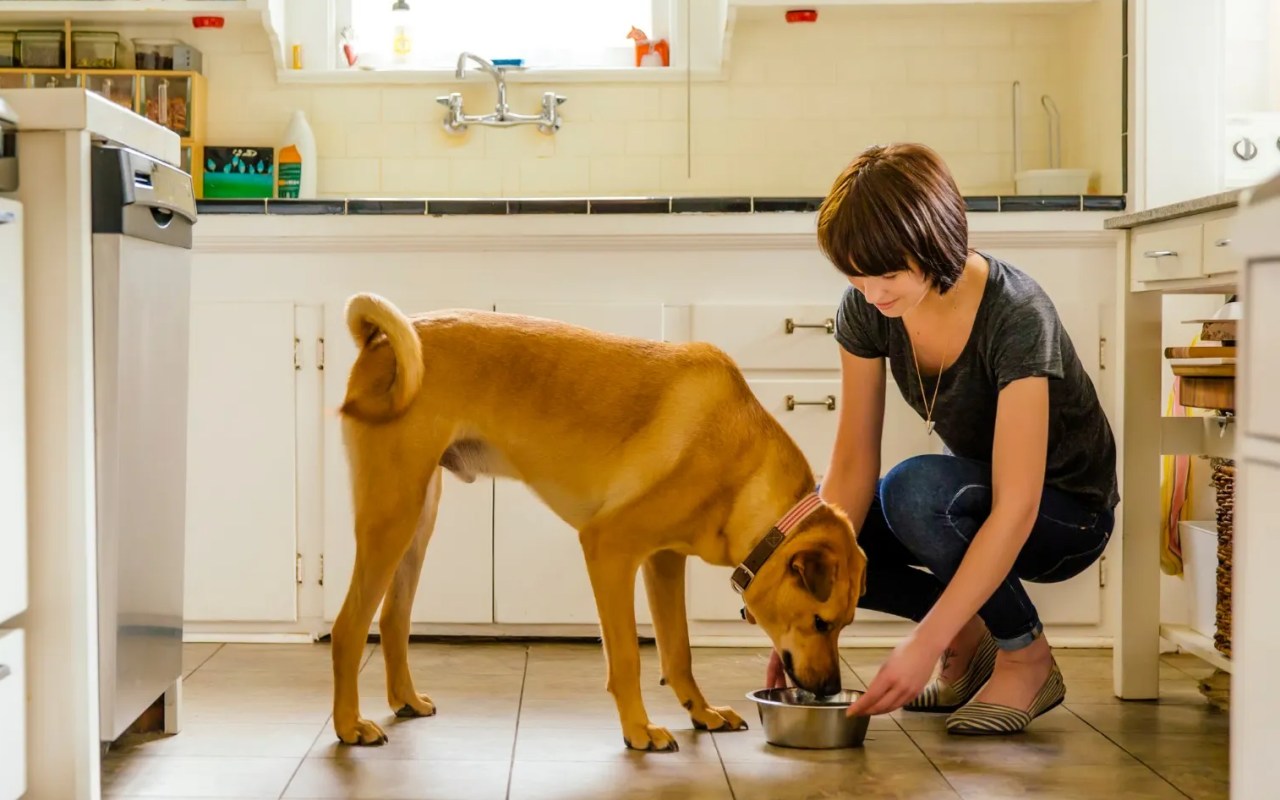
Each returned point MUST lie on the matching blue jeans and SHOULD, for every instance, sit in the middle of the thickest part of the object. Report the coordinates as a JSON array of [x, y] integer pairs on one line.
[[926, 513]]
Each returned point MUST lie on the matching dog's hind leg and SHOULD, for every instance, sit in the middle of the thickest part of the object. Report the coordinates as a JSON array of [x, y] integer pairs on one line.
[[396, 609], [664, 584], [389, 502], [613, 580]]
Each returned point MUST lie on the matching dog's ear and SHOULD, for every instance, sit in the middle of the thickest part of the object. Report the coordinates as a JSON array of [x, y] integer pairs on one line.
[[815, 569]]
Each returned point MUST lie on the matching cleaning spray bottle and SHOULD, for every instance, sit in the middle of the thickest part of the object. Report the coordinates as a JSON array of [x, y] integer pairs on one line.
[[296, 160]]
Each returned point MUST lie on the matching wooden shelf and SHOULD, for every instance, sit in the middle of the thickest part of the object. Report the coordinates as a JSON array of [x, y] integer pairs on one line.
[[1196, 644], [143, 12]]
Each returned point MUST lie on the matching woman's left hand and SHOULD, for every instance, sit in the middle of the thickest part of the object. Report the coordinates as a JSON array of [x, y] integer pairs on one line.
[[900, 679]]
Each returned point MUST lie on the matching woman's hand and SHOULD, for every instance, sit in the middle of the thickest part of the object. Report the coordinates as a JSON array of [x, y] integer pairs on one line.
[[775, 677], [900, 679]]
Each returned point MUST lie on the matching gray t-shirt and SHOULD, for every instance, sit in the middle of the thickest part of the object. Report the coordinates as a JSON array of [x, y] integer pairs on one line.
[[1016, 334]]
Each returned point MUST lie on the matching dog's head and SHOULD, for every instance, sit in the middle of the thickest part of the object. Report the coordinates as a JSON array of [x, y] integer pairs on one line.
[[806, 593]]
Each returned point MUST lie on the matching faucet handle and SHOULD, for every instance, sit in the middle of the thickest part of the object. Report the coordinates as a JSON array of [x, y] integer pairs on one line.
[[446, 99]]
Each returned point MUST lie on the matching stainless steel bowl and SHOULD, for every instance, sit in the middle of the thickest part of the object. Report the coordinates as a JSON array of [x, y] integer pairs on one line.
[[796, 718]]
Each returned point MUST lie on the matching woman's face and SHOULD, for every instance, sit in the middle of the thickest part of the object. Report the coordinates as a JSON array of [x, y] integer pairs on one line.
[[894, 293]]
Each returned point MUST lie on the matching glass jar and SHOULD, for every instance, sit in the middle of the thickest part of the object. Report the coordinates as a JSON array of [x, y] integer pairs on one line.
[[94, 49], [41, 49]]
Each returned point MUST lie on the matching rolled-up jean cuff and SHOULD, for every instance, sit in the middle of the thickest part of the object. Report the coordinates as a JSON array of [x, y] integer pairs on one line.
[[1019, 642]]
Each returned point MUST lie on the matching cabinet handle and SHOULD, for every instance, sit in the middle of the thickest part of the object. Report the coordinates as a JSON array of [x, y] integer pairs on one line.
[[6, 217], [829, 402], [1159, 253], [4, 671], [1223, 242], [828, 325]]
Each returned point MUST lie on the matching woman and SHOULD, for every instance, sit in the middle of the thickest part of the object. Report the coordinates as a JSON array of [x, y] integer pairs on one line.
[[1027, 489]]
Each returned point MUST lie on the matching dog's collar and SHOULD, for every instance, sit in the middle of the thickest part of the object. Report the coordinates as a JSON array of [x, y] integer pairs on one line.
[[746, 571]]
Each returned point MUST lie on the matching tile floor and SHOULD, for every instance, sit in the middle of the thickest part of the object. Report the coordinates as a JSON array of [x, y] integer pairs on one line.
[[533, 721]]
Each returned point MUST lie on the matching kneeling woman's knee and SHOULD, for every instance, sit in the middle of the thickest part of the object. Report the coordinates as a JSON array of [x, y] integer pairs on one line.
[[920, 491]]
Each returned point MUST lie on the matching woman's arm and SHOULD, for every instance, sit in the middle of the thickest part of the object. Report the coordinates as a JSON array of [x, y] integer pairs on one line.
[[1017, 481], [1018, 464], [854, 469]]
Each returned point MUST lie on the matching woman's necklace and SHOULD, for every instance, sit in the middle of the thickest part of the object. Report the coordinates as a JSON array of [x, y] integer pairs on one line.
[[929, 405]]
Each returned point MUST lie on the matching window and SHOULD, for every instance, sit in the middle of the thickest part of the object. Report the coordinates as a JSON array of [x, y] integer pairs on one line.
[[557, 34]]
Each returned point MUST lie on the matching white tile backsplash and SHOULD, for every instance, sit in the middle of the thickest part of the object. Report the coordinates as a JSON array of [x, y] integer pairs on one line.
[[799, 102]]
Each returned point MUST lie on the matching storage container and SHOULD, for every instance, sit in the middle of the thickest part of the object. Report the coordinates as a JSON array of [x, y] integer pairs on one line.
[[116, 88], [153, 53], [41, 49], [167, 101], [8, 49], [94, 49], [1199, 570]]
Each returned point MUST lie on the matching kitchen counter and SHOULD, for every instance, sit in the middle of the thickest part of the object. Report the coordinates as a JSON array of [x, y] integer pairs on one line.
[[503, 206], [1184, 208], [80, 109]]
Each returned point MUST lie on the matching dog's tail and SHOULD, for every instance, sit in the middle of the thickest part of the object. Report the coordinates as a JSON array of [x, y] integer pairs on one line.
[[382, 397]]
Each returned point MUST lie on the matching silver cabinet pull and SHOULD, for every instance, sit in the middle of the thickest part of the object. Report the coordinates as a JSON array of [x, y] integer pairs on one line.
[[829, 402], [1159, 253], [1223, 242], [4, 671], [828, 325], [6, 217]]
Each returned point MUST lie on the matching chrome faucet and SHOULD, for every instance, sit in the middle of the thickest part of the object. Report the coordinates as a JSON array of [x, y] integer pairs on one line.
[[455, 121]]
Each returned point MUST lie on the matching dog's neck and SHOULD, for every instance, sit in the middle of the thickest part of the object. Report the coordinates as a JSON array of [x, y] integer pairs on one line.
[[757, 514]]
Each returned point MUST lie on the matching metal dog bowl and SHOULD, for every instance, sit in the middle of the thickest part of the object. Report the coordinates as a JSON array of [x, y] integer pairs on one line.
[[797, 718]]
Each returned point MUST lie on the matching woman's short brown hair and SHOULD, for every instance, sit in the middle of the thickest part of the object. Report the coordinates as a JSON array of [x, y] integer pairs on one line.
[[891, 202]]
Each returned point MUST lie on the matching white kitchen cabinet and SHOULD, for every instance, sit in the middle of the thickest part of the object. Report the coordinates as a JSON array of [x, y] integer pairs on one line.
[[241, 546], [456, 585], [13, 417], [539, 572]]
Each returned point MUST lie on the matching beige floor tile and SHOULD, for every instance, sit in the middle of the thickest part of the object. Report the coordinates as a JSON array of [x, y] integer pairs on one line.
[[605, 744], [257, 696], [750, 746], [1136, 782], [196, 653], [431, 739], [1196, 764], [1028, 750], [866, 774], [1176, 691], [226, 740], [189, 776], [366, 779], [655, 776], [286, 659], [1141, 717]]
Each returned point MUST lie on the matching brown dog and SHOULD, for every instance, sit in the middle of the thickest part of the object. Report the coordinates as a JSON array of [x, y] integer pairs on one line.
[[652, 451]]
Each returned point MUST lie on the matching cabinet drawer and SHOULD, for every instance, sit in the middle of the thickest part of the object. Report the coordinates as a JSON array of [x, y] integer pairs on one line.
[[1219, 257], [1261, 342], [808, 411], [1168, 254], [773, 336], [13, 715]]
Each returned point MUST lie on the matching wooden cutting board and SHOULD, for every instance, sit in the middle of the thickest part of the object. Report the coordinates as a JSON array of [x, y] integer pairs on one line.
[[1200, 352], [1213, 393]]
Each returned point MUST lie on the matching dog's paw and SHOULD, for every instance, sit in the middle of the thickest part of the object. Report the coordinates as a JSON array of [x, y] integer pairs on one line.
[[419, 706], [363, 732], [653, 739], [717, 718]]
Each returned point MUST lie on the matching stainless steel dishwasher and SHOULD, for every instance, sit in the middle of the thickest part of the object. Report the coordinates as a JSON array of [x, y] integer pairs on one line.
[[143, 213]]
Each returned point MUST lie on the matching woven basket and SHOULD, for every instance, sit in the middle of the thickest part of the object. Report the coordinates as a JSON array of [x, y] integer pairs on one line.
[[1224, 480]]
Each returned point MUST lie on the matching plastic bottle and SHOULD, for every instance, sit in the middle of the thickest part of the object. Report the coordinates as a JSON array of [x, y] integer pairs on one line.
[[296, 160]]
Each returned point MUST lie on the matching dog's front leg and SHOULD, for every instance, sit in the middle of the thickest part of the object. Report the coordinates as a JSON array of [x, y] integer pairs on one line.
[[613, 581], [664, 584]]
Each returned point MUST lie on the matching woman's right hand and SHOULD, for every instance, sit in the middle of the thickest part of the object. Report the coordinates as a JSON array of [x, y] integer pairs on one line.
[[775, 677]]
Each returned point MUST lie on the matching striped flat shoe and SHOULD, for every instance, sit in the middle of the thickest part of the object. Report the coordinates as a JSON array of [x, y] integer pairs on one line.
[[988, 719], [943, 697]]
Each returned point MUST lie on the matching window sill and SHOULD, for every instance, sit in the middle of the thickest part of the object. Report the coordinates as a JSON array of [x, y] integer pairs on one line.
[[531, 75]]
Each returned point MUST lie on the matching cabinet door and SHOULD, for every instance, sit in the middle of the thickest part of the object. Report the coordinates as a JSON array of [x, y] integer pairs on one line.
[[456, 585], [13, 416], [241, 473], [539, 572], [811, 422]]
